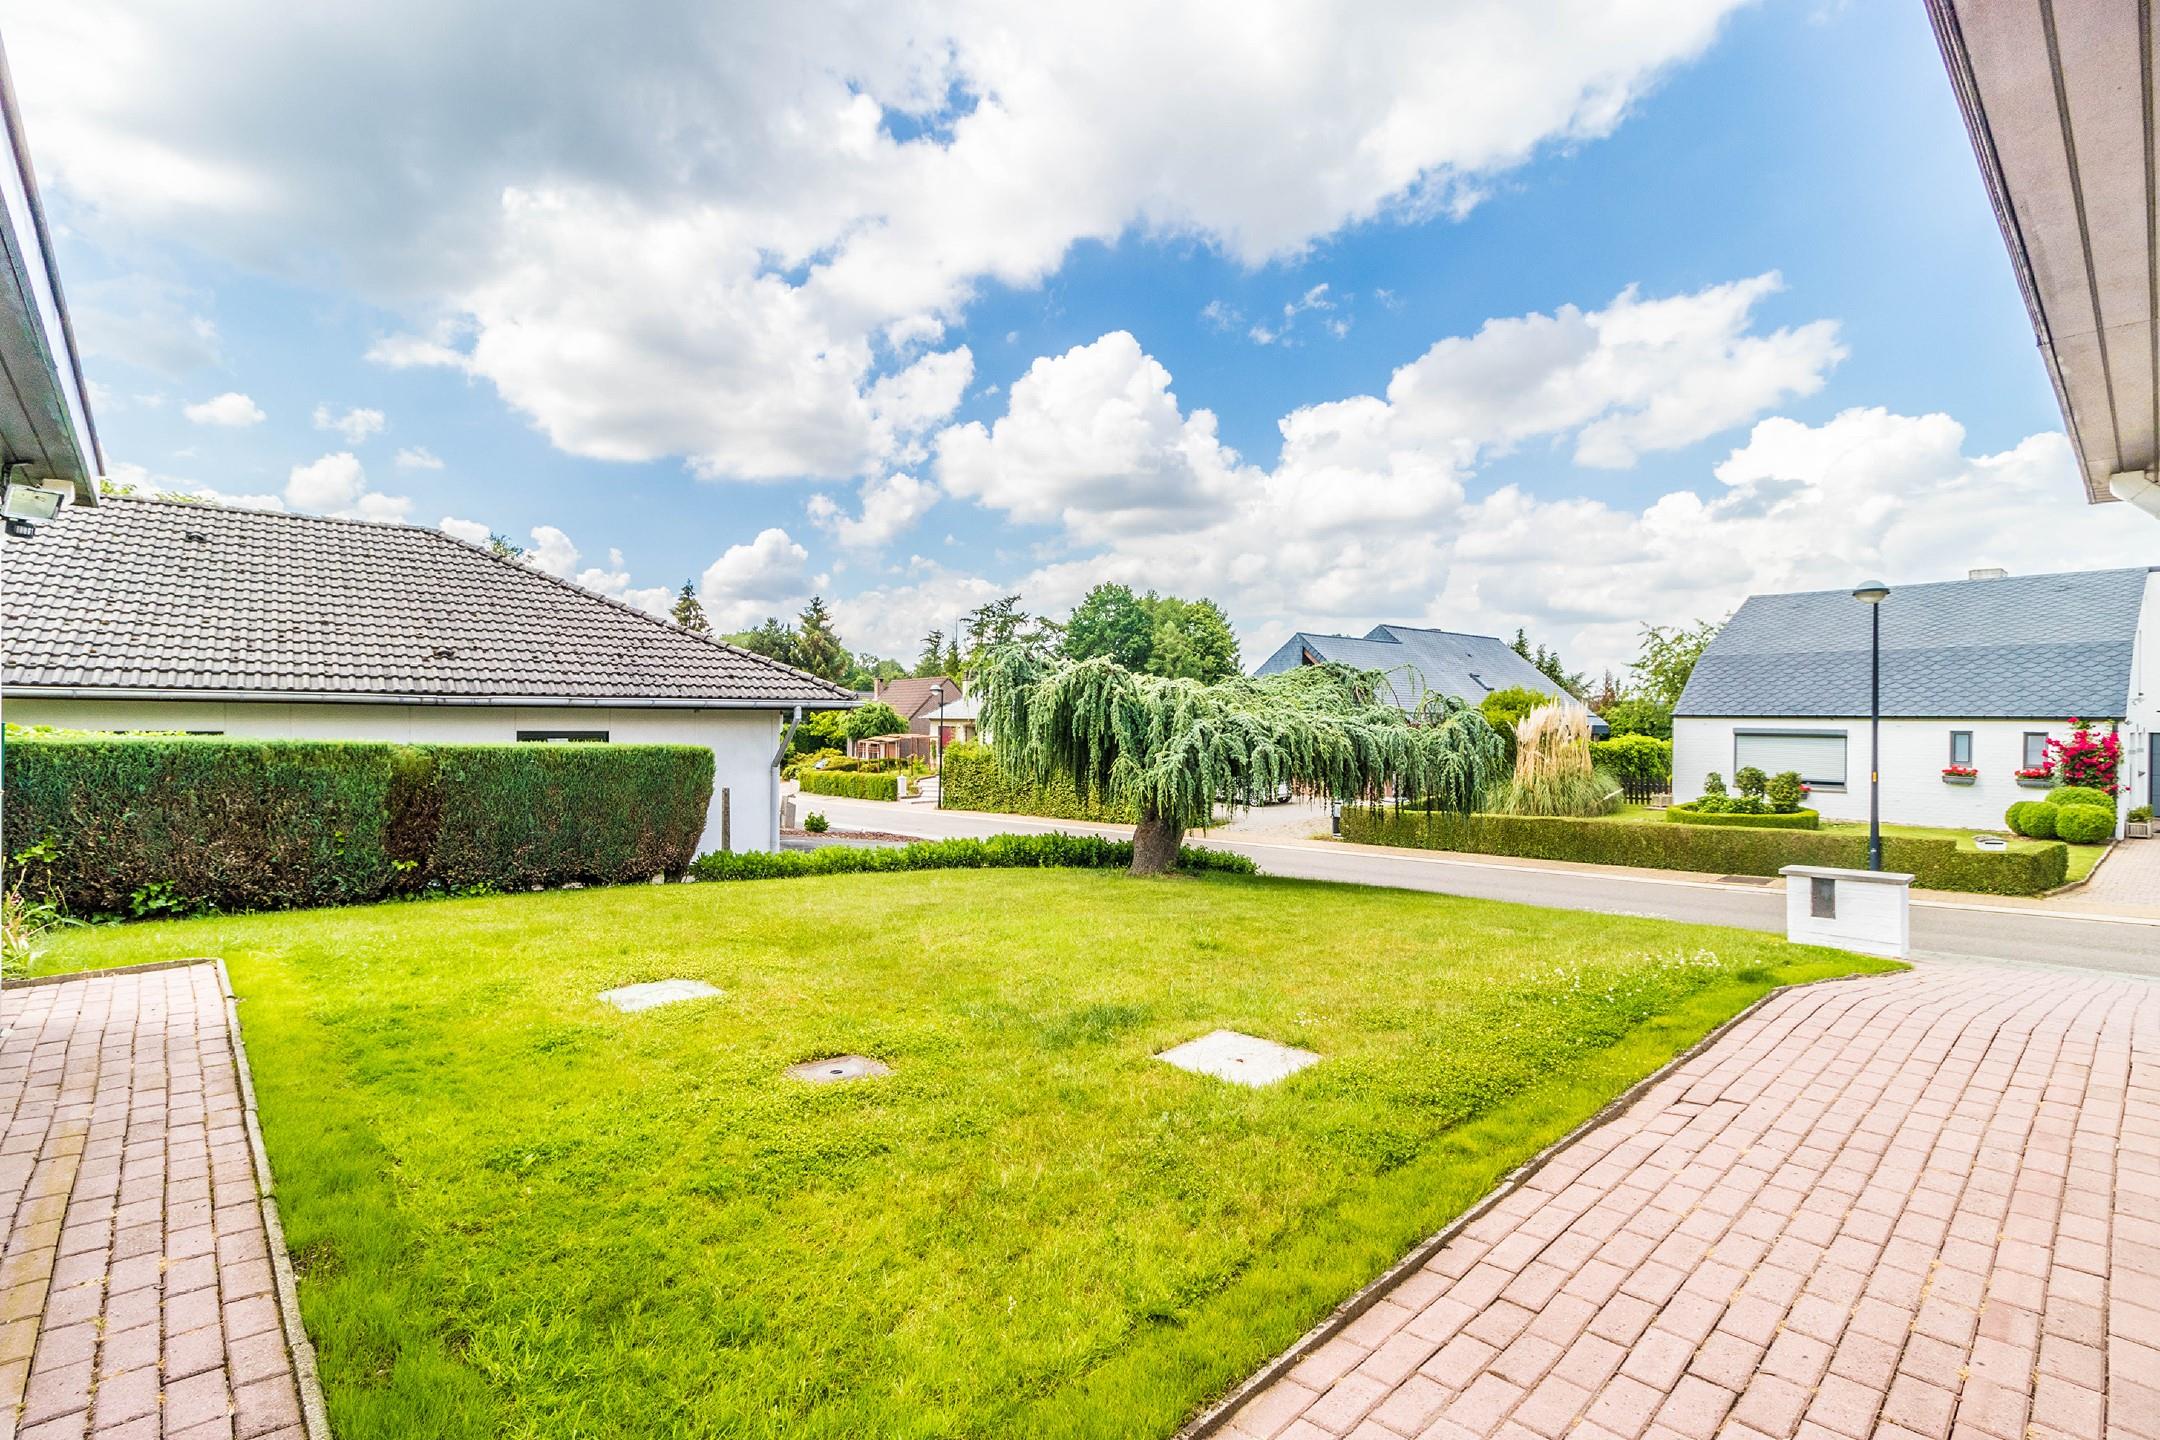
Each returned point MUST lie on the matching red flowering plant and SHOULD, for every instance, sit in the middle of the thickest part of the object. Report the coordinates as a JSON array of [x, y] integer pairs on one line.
[[1963, 771], [2085, 759]]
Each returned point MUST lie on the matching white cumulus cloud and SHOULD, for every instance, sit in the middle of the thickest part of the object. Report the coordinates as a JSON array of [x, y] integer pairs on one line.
[[766, 576], [232, 410], [355, 424]]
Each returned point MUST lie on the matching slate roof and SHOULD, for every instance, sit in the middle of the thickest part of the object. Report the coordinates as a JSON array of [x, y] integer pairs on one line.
[[2019, 647], [151, 595], [1416, 661]]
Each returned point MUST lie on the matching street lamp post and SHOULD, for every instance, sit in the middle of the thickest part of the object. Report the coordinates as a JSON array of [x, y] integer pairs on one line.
[[1872, 593], [937, 741]]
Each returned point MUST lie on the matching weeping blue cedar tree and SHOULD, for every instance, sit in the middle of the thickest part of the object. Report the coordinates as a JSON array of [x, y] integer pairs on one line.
[[1175, 748]]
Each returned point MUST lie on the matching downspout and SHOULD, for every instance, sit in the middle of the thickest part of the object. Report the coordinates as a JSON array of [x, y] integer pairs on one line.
[[2138, 488], [787, 738]]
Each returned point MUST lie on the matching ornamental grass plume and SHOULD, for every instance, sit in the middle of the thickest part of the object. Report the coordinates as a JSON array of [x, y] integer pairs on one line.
[[1175, 748], [1553, 773]]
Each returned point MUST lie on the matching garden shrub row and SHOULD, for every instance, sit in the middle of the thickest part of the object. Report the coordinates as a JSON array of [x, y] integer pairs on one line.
[[108, 825], [999, 852], [1768, 820], [969, 778], [1934, 863], [851, 785], [1640, 762]]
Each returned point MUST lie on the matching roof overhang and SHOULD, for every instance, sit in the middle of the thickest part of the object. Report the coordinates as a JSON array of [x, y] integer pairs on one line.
[[342, 697], [45, 425], [2059, 101]]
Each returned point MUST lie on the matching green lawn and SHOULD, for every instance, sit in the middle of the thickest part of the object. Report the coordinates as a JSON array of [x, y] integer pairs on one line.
[[517, 1212], [2082, 857]]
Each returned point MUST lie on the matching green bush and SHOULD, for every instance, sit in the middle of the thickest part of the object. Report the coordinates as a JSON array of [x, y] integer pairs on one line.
[[2037, 820], [1639, 717], [1786, 791], [1767, 819], [999, 852], [1935, 863], [1713, 784], [2084, 824], [2140, 812], [1642, 761], [107, 825], [1750, 781], [852, 785], [815, 823], [970, 779], [2080, 795]]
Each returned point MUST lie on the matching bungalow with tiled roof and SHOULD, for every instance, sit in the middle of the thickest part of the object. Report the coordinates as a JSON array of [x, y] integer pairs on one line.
[[159, 615]]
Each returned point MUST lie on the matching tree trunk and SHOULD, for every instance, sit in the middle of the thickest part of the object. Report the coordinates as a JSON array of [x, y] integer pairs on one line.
[[1155, 845]]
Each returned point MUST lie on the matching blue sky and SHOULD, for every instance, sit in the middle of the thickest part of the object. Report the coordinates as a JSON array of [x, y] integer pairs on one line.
[[650, 314]]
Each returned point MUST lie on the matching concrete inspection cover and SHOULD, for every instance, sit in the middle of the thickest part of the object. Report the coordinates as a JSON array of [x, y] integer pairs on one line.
[[838, 1067], [1240, 1059], [632, 998]]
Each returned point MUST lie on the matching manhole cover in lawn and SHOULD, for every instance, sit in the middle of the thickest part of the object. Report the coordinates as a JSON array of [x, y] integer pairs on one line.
[[1241, 1059], [1744, 879], [838, 1067], [632, 998]]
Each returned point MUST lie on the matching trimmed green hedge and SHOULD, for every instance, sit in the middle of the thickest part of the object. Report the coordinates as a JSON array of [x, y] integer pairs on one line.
[[1643, 761], [2084, 824], [2081, 795], [849, 784], [1790, 820], [138, 826], [1935, 864], [969, 779], [999, 852]]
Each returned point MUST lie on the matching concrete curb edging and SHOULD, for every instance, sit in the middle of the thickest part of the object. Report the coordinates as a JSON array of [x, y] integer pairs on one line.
[[314, 1414], [1212, 1419]]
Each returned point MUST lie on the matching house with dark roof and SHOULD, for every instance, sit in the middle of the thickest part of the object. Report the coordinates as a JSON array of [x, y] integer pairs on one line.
[[1417, 662], [938, 712], [160, 615], [1977, 675]]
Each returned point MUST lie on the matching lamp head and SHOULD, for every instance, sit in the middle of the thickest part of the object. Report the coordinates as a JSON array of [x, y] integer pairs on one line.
[[1872, 592]]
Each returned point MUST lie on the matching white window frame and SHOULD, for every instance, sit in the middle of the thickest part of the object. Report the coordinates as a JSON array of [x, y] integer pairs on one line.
[[1955, 758]]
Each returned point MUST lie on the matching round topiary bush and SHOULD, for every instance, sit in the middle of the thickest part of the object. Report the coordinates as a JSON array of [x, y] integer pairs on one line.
[[2014, 817], [2084, 824], [2040, 819], [2079, 795]]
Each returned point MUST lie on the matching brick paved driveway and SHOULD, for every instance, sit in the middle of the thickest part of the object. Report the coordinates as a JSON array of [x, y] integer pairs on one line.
[[137, 1296], [1920, 1205]]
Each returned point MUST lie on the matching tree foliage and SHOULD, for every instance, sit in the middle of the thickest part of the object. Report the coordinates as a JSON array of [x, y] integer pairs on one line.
[[932, 660], [1161, 634], [1668, 657], [1176, 748], [1110, 623], [1549, 665], [817, 648], [775, 640], [688, 612], [876, 718]]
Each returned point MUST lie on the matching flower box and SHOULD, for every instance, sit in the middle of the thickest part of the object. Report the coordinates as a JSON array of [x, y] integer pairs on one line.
[[2040, 779], [2137, 829], [1959, 775]]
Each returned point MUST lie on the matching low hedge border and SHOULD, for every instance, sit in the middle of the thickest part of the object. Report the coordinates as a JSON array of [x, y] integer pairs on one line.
[[999, 852], [1935, 864], [969, 779], [1790, 820], [849, 784]]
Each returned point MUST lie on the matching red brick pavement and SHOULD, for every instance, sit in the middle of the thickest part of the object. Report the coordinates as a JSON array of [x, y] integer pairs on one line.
[[137, 1295], [1919, 1205]]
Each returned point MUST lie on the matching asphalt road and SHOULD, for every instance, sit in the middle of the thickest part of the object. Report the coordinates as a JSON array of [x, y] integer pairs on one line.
[[1974, 930]]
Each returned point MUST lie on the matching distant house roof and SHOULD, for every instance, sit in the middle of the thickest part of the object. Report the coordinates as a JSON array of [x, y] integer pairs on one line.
[[1416, 662], [910, 695], [159, 598], [2028, 646]]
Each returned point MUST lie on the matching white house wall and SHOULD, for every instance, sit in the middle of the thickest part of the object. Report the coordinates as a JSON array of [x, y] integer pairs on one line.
[[2143, 722], [1914, 753], [742, 741]]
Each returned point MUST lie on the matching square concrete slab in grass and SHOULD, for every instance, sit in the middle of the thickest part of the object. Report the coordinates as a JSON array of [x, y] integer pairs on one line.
[[1242, 1059], [632, 998], [838, 1067]]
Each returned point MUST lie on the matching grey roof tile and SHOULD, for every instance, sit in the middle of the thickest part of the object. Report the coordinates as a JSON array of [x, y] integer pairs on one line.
[[2020, 647], [121, 597]]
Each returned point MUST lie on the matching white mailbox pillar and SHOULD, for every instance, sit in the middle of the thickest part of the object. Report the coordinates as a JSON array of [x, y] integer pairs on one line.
[[1865, 910]]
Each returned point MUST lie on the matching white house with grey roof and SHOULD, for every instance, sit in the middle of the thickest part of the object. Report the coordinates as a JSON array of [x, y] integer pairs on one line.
[[1417, 662], [1978, 673], [158, 615]]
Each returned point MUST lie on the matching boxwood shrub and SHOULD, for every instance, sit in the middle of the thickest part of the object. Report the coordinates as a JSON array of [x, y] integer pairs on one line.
[[1935, 863], [2084, 824], [851, 785], [969, 779], [2080, 795], [999, 852], [2034, 819], [1769, 820], [107, 825]]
